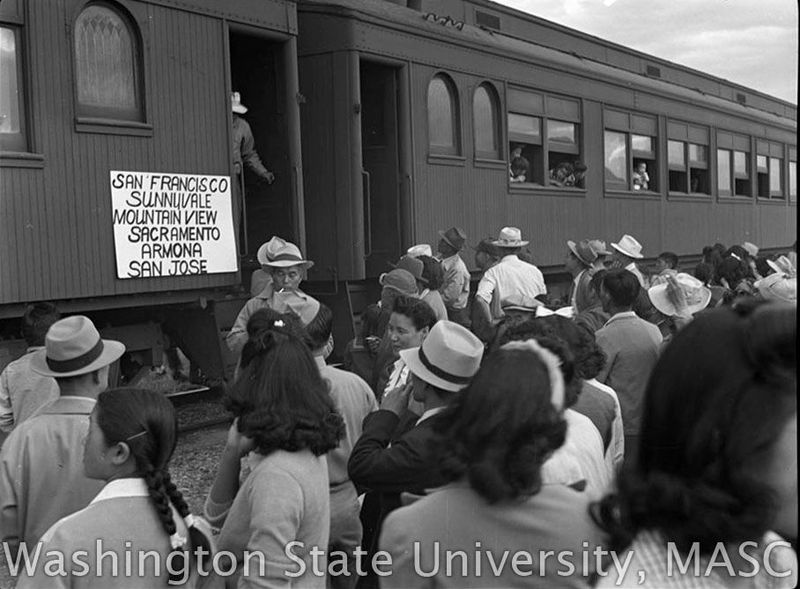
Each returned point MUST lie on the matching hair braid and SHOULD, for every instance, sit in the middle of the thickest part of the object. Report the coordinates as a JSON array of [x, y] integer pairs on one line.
[[155, 486], [174, 494]]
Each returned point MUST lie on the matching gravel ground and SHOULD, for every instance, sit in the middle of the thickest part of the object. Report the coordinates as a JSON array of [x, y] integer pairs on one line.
[[193, 465]]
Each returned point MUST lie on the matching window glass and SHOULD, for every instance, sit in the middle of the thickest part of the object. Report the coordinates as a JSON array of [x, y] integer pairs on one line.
[[525, 125], [697, 153], [560, 131], [775, 176], [12, 126], [441, 115], [761, 163], [724, 171], [616, 158], [740, 163], [107, 65], [793, 180], [641, 143], [484, 110], [676, 154]]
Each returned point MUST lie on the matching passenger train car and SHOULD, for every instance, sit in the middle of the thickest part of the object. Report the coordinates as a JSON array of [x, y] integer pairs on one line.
[[383, 122]]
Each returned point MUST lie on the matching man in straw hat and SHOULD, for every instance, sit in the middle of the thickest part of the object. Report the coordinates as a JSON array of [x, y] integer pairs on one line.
[[41, 463], [287, 268], [244, 153], [449, 357], [455, 287], [580, 264], [628, 250], [263, 276], [510, 276]]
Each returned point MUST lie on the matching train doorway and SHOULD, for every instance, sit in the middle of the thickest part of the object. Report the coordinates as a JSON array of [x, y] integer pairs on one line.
[[257, 73], [380, 166]]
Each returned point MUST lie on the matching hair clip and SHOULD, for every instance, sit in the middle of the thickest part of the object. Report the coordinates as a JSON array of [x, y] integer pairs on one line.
[[278, 323], [177, 541], [134, 436]]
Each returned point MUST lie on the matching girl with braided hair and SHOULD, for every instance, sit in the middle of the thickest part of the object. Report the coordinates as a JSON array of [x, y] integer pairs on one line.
[[286, 420], [132, 435]]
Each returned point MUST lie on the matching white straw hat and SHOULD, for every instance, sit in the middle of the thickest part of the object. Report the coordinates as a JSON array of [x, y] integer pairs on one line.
[[629, 246], [697, 295], [288, 255], [73, 347], [510, 237], [268, 250]]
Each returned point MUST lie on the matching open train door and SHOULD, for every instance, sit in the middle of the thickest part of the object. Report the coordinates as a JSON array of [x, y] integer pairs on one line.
[[382, 170]]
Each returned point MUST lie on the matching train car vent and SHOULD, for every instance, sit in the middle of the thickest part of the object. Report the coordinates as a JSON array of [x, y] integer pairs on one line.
[[741, 98], [653, 71], [490, 21]]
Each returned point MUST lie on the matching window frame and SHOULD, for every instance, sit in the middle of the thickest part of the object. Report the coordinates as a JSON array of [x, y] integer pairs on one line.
[[439, 151], [104, 120], [495, 104], [545, 107], [691, 135], [18, 143], [771, 151], [630, 123], [792, 159]]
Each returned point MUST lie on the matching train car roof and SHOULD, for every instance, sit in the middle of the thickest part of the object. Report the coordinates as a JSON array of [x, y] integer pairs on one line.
[[392, 15]]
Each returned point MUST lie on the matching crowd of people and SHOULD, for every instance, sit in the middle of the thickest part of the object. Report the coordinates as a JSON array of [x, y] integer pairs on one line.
[[639, 431]]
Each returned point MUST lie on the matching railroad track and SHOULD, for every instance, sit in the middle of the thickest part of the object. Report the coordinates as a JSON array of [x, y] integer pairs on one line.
[[199, 408]]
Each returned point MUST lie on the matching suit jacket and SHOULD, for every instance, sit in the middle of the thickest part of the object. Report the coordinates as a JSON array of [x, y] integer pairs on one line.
[[388, 470]]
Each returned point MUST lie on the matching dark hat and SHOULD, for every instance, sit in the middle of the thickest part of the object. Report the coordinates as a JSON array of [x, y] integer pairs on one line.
[[400, 280], [413, 266], [455, 237], [583, 251]]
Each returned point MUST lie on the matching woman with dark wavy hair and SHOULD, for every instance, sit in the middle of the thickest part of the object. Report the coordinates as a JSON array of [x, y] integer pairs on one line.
[[715, 480], [494, 439], [287, 419]]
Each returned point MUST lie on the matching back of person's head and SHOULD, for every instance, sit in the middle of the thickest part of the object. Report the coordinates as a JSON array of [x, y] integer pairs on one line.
[[321, 327], [588, 357], [146, 422], [732, 270], [597, 281], [717, 401], [546, 331], [280, 398], [419, 312], [737, 251], [622, 287], [264, 319], [500, 430], [670, 259], [432, 272], [37, 320], [762, 267], [720, 248], [704, 272]]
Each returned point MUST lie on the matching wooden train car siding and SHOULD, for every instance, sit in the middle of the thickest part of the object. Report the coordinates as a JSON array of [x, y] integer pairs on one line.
[[55, 218]]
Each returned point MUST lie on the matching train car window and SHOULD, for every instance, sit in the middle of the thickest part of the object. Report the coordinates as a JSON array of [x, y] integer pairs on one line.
[[443, 116], [486, 119], [12, 104], [676, 158], [793, 181], [698, 169], [108, 64], [776, 177], [762, 167], [724, 177], [630, 151], [741, 173]]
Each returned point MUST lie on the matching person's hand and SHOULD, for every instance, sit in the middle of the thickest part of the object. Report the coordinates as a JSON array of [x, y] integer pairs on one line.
[[676, 296], [373, 342], [237, 442], [269, 178], [396, 399]]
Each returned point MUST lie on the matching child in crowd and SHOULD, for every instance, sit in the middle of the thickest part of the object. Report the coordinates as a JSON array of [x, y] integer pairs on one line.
[[641, 180], [132, 435]]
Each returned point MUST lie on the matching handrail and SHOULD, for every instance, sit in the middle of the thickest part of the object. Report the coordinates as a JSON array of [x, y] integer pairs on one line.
[[367, 214]]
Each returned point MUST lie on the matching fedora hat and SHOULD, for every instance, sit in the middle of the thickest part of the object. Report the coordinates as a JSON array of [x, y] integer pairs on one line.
[[777, 287], [583, 251], [287, 255], [628, 246], [236, 103], [697, 295], [305, 307], [268, 250], [400, 280], [449, 357], [520, 302], [421, 249], [783, 266], [73, 347], [750, 248], [599, 247], [510, 237], [455, 237], [413, 266]]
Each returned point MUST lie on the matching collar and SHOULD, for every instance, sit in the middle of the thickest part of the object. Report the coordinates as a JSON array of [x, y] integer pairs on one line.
[[509, 257], [453, 257], [127, 487], [429, 413], [69, 405], [632, 267], [622, 315], [320, 360], [34, 349], [578, 276], [423, 293]]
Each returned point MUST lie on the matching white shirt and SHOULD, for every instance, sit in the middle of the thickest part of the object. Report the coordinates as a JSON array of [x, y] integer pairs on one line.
[[615, 453], [636, 272], [511, 276], [429, 413], [455, 287]]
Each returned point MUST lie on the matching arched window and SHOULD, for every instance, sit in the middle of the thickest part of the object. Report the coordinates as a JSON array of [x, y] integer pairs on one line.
[[443, 116], [485, 109], [108, 64]]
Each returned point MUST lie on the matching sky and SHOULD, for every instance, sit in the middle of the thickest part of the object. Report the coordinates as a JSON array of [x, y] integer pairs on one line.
[[750, 42]]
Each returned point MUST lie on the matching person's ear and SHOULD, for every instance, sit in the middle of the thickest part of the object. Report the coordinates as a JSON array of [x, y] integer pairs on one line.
[[424, 332], [119, 453]]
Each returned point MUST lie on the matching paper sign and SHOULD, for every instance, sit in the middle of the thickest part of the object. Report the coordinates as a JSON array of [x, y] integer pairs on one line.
[[172, 224]]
